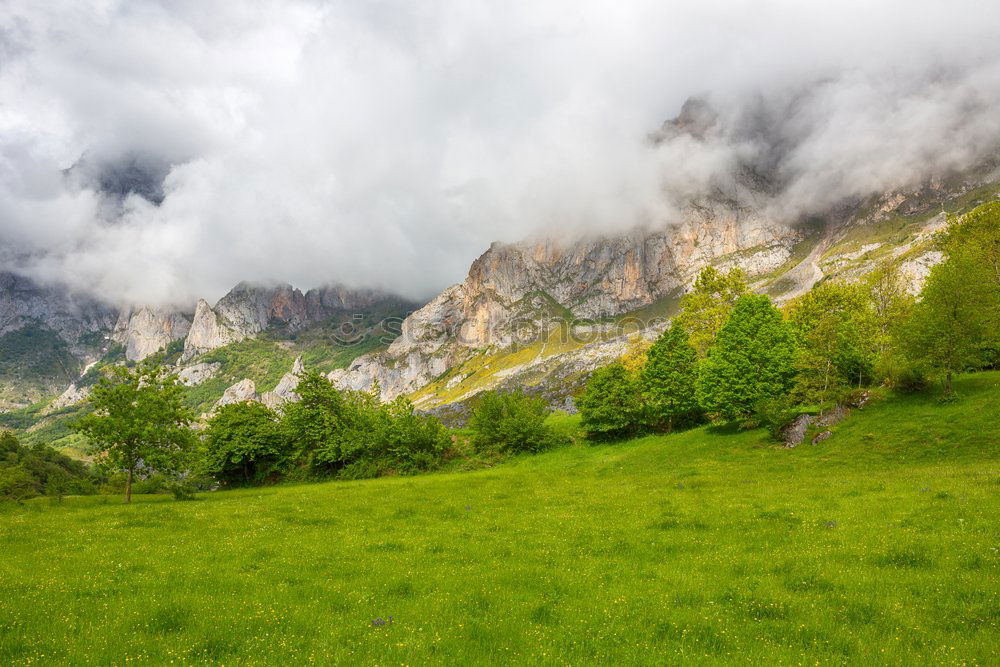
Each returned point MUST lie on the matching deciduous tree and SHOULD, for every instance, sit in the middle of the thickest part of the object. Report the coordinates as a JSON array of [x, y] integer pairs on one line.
[[668, 380], [751, 361], [138, 418]]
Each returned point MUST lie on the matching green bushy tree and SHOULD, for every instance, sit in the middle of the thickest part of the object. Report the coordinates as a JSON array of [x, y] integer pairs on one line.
[[29, 471], [243, 444], [707, 306], [751, 361], [833, 325], [511, 422], [668, 380], [610, 404], [138, 419], [951, 321], [17, 483], [315, 423], [352, 433], [407, 440]]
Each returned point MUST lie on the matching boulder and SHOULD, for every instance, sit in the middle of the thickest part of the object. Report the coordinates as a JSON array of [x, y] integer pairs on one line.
[[193, 375], [821, 437], [795, 433], [243, 391]]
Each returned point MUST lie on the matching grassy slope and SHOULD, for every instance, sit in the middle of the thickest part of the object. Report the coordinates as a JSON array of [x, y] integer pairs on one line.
[[877, 546]]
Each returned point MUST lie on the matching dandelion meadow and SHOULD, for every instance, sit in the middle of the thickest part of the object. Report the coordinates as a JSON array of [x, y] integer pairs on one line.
[[879, 545]]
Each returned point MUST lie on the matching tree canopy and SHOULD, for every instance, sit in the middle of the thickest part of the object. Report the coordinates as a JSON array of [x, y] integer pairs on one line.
[[138, 419]]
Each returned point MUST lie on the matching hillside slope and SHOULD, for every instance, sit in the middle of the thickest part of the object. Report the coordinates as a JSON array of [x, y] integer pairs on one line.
[[876, 546]]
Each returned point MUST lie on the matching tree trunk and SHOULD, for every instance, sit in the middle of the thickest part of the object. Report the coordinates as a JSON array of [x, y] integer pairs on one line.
[[947, 383], [128, 487]]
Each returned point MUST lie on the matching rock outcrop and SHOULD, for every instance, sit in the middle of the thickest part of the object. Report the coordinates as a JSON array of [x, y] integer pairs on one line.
[[208, 331], [144, 331], [284, 391], [71, 396], [249, 309], [72, 316], [241, 392], [195, 374]]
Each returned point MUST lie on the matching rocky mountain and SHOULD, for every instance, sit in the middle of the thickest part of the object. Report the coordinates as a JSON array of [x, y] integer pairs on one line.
[[47, 335], [143, 331], [72, 316], [50, 337], [250, 309], [516, 295]]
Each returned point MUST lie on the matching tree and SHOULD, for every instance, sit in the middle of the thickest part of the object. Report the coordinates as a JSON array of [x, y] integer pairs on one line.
[[138, 419], [411, 441], [610, 403], [750, 362], [668, 379], [976, 235], [244, 443], [951, 320], [974, 240], [832, 325], [353, 434], [891, 305], [707, 306], [511, 422], [315, 423]]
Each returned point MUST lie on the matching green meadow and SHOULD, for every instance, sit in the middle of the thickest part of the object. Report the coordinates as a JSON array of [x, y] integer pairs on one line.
[[880, 545]]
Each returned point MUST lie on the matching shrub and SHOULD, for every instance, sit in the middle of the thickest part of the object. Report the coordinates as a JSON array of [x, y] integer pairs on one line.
[[776, 414], [413, 442], [511, 422], [610, 405], [243, 444], [18, 484], [352, 433]]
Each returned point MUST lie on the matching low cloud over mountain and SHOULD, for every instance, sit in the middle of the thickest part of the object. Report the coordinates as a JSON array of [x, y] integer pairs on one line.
[[155, 152]]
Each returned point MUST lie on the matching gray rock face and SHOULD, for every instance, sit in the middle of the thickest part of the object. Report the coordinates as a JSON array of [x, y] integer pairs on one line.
[[24, 302], [71, 396], [248, 309], [195, 374], [144, 331], [208, 331], [795, 433], [511, 290], [241, 392], [285, 389]]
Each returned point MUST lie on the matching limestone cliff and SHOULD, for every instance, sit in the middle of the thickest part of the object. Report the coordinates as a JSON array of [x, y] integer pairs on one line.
[[144, 331], [72, 316], [249, 309]]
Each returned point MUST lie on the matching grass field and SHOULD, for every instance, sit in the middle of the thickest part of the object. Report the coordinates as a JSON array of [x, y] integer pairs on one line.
[[878, 546]]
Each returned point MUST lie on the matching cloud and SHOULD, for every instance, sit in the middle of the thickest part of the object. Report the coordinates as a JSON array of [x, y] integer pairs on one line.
[[386, 143]]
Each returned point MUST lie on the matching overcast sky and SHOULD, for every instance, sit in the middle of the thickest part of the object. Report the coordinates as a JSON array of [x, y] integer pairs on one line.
[[386, 143]]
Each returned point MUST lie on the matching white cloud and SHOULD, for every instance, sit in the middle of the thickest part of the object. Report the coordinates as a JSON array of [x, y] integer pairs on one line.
[[388, 142]]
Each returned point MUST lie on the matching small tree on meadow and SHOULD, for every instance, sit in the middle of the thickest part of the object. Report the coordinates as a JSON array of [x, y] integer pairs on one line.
[[891, 305], [833, 325], [610, 405], [950, 322], [511, 422], [668, 380], [707, 306], [138, 419], [752, 360], [243, 444]]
